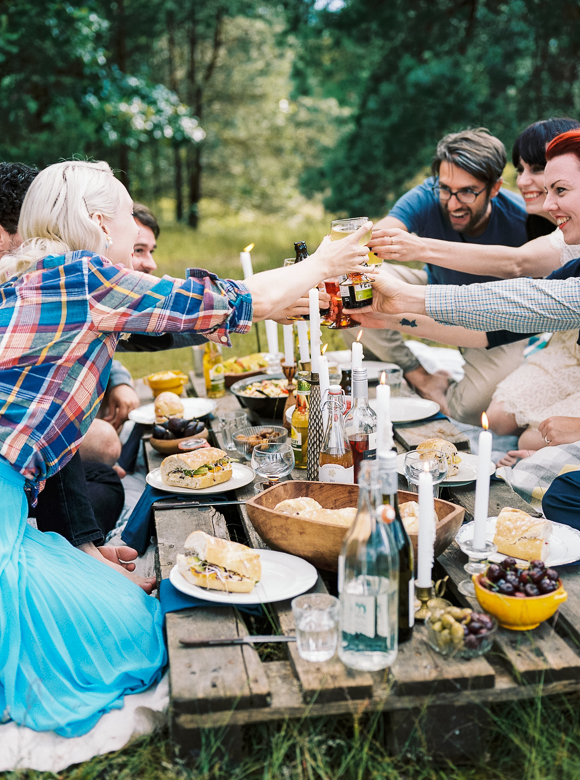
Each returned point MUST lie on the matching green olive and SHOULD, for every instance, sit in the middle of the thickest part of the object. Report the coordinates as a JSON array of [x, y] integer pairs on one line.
[[437, 615], [455, 612], [448, 620], [438, 626]]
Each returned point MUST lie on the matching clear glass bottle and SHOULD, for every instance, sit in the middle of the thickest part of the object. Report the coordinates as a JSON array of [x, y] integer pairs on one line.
[[389, 488], [213, 371], [336, 461], [368, 569], [361, 422], [299, 427]]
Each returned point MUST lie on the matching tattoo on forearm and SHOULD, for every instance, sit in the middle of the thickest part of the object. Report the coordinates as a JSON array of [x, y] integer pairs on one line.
[[409, 323]]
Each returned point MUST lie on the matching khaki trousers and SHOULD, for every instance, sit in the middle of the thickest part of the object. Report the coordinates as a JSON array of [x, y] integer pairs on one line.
[[484, 368]]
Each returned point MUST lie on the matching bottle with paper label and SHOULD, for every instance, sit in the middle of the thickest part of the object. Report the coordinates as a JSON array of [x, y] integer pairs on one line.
[[389, 488], [360, 422], [368, 569], [336, 461], [213, 371], [299, 427]]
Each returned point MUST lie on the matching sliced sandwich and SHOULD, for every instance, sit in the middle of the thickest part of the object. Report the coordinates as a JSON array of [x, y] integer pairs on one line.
[[519, 535], [441, 445], [199, 469], [218, 564]]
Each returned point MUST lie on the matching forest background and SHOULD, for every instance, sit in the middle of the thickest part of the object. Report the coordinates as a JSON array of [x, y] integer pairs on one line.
[[256, 120]]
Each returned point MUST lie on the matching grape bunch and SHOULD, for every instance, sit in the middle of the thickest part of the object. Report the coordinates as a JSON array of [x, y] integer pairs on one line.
[[507, 579], [454, 629], [177, 428]]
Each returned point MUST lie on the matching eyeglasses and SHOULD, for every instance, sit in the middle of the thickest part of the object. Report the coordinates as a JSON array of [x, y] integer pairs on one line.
[[463, 196]]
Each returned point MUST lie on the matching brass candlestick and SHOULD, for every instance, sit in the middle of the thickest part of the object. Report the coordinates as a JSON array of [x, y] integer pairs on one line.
[[423, 595], [431, 598], [305, 365], [289, 372]]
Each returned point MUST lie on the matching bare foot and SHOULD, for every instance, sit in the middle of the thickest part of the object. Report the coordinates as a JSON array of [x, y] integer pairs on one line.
[[122, 555], [146, 583], [513, 457], [431, 386]]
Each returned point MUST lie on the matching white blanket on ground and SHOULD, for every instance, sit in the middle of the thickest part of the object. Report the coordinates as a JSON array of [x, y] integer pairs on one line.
[[142, 713]]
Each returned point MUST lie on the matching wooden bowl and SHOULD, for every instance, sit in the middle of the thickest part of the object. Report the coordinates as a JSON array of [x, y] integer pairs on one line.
[[320, 543], [170, 446]]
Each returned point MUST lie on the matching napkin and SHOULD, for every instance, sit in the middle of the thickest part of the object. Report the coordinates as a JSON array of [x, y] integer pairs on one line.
[[130, 449], [139, 530], [173, 600]]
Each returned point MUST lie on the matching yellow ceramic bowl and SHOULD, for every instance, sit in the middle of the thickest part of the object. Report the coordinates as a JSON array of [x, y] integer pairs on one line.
[[516, 613], [174, 381]]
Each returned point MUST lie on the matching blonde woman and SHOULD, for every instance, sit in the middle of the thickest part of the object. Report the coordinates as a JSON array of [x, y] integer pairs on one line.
[[76, 635]]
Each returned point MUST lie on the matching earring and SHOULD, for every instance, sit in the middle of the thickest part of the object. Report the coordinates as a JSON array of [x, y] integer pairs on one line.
[[109, 241]]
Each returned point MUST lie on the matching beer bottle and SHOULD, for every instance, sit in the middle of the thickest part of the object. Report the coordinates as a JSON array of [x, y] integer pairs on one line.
[[299, 428], [301, 254], [213, 371]]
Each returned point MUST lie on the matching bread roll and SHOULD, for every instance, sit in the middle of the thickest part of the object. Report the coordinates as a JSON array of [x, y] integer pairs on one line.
[[410, 516], [168, 405], [295, 506], [195, 470], [519, 535], [442, 445]]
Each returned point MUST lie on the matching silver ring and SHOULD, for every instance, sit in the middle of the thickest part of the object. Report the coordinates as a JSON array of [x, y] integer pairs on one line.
[[392, 240], [547, 440]]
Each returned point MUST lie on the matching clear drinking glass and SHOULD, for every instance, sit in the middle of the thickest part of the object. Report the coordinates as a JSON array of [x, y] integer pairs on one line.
[[230, 422], [393, 378], [273, 460], [316, 618], [415, 463]]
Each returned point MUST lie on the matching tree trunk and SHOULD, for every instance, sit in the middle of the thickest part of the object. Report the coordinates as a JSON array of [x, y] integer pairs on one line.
[[173, 84], [120, 49], [195, 100]]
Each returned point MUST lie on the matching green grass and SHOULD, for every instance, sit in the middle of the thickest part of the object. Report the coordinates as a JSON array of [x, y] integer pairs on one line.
[[537, 740]]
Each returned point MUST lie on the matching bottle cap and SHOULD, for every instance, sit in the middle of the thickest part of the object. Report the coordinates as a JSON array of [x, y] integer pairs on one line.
[[335, 390], [388, 514]]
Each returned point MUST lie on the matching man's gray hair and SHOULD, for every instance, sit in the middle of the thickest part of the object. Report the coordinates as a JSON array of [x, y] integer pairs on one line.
[[476, 151]]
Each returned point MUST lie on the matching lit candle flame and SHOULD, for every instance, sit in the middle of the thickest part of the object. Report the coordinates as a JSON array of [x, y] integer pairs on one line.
[[324, 348], [249, 247], [384, 378], [358, 338], [484, 421]]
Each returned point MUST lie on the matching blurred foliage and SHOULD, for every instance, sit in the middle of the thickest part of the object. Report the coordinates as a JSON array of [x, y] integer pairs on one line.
[[413, 70]]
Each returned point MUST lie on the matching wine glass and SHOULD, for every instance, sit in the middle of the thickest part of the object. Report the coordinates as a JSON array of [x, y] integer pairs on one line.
[[434, 462], [272, 461]]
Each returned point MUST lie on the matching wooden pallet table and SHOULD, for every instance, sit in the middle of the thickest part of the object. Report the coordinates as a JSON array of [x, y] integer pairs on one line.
[[441, 701]]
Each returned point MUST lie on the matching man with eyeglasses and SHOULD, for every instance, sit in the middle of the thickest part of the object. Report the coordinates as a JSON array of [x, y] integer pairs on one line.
[[462, 201]]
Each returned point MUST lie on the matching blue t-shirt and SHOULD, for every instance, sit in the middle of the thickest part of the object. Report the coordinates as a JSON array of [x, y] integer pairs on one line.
[[420, 212]]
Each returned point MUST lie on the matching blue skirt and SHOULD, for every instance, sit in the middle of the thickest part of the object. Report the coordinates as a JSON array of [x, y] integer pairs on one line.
[[75, 636]]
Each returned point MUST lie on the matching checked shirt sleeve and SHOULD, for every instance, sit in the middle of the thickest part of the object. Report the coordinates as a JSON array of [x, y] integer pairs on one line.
[[520, 305], [124, 301]]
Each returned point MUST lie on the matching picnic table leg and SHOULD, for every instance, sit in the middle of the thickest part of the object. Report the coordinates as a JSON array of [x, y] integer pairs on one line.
[[448, 731]]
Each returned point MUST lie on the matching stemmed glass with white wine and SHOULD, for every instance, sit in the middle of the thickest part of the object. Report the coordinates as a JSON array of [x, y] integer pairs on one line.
[[272, 461]]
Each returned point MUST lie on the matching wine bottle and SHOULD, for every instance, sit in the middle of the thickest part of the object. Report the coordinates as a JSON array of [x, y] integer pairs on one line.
[[336, 461], [360, 422], [346, 384], [389, 487], [299, 427], [301, 254], [368, 583]]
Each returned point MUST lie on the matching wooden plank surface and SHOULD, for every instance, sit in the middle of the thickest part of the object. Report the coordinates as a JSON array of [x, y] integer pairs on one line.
[[412, 434], [327, 682], [500, 496], [419, 670], [533, 656]]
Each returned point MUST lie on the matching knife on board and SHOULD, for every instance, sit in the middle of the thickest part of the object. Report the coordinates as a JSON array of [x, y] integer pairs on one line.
[[235, 640]]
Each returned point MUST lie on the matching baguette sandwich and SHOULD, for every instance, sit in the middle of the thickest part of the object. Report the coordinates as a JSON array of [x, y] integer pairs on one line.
[[444, 446], [199, 469], [218, 564], [521, 536]]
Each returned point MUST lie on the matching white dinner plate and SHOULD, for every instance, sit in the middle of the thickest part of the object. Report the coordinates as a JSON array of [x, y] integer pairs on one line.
[[409, 408], [564, 543], [373, 367], [467, 469], [241, 475], [283, 577], [193, 407]]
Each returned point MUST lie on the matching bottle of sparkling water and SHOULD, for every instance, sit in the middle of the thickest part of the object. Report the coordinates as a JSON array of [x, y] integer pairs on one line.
[[368, 570]]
